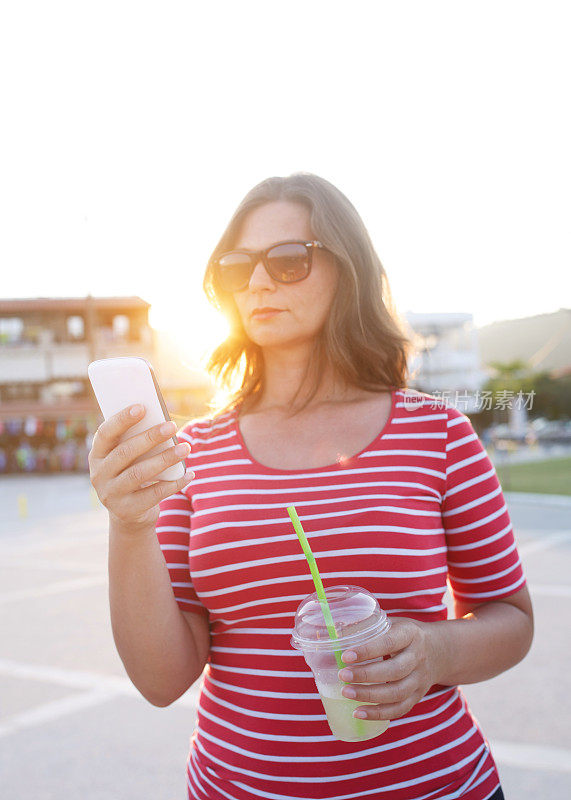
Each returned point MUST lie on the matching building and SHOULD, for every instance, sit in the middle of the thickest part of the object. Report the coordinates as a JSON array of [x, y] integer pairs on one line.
[[446, 361], [48, 412]]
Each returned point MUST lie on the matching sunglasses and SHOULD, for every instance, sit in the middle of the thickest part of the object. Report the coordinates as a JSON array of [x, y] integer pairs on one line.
[[285, 262]]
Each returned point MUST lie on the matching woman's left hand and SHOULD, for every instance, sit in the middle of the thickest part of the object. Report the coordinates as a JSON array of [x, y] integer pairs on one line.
[[398, 683]]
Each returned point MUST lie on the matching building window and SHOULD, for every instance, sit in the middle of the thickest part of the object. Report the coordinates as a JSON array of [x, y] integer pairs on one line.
[[120, 326], [11, 329], [75, 327]]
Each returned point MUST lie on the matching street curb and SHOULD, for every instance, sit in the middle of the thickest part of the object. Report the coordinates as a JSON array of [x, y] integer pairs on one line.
[[541, 499]]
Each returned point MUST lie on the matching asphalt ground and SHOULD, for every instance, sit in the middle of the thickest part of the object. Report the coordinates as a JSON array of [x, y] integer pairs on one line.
[[73, 726]]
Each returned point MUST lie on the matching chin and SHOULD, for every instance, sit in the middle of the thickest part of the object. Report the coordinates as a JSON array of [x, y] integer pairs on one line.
[[269, 338], [273, 337]]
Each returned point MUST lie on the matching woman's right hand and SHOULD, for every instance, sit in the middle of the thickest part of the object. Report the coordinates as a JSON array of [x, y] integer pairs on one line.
[[117, 480]]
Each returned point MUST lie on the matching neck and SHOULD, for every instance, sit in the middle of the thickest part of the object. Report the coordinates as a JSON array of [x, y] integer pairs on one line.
[[285, 377]]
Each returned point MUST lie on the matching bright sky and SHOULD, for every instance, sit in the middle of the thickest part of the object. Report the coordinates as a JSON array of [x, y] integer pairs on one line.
[[131, 130]]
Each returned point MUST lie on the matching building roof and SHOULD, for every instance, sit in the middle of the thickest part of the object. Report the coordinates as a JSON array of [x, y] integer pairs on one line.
[[71, 304]]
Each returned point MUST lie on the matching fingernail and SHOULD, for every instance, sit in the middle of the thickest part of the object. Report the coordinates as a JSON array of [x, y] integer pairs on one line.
[[182, 449], [345, 675], [136, 410], [188, 475], [349, 656], [349, 692], [360, 714], [167, 427]]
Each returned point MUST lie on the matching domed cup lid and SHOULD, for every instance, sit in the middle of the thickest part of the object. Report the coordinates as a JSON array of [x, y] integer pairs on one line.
[[356, 615]]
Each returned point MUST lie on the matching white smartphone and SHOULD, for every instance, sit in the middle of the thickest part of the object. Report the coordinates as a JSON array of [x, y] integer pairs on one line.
[[124, 381]]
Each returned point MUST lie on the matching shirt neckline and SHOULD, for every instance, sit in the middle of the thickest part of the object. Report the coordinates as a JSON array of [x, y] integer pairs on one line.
[[345, 462]]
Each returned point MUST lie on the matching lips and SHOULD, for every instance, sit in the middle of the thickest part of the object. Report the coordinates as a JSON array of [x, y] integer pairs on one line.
[[266, 311]]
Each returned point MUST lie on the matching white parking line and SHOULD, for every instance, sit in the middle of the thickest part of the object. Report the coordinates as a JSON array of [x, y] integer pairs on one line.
[[545, 543], [35, 543], [550, 590], [28, 562], [54, 588], [531, 756], [54, 710], [98, 689], [74, 679]]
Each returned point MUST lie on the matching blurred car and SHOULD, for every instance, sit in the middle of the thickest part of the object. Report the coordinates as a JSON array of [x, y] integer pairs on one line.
[[539, 431], [556, 431], [497, 434]]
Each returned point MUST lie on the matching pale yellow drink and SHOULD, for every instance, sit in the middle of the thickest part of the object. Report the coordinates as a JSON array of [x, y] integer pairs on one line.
[[344, 726], [356, 618]]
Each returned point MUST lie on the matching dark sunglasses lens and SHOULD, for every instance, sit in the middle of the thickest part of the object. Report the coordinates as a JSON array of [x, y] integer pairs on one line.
[[234, 270], [288, 262]]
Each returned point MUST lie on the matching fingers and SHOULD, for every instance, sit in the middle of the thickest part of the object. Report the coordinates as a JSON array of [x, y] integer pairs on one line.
[[388, 711], [399, 636], [393, 669], [126, 481], [384, 693], [141, 509], [126, 453], [388, 701], [392, 686], [109, 432], [139, 473], [152, 495], [133, 449], [405, 697], [389, 683]]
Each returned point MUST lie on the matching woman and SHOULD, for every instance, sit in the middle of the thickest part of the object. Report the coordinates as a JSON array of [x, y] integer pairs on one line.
[[394, 490]]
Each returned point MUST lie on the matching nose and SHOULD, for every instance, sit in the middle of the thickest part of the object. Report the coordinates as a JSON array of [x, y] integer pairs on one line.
[[259, 279]]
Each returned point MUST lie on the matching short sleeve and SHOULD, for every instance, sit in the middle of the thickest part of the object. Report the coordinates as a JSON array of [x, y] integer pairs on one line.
[[483, 561], [173, 533]]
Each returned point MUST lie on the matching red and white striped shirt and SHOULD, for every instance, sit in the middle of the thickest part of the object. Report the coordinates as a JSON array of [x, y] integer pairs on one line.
[[420, 505]]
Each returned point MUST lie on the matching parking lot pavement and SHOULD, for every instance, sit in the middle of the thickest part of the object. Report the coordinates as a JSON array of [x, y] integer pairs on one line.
[[72, 725]]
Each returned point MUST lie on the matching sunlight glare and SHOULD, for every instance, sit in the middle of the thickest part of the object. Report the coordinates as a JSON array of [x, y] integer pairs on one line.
[[195, 328]]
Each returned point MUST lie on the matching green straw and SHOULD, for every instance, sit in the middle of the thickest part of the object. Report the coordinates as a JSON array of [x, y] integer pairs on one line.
[[316, 580], [359, 723]]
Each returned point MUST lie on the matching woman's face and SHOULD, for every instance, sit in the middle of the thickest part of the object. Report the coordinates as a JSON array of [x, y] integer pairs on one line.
[[299, 310]]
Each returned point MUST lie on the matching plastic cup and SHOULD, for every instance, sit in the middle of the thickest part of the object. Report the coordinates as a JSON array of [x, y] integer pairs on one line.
[[357, 618]]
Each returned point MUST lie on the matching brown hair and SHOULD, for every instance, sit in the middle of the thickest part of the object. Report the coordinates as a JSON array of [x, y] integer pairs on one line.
[[363, 337]]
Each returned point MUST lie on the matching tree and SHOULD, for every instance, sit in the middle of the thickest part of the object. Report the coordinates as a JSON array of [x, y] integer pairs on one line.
[[552, 398]]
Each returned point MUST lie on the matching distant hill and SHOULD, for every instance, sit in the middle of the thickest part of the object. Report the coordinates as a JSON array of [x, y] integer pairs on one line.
[[544, 341]]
